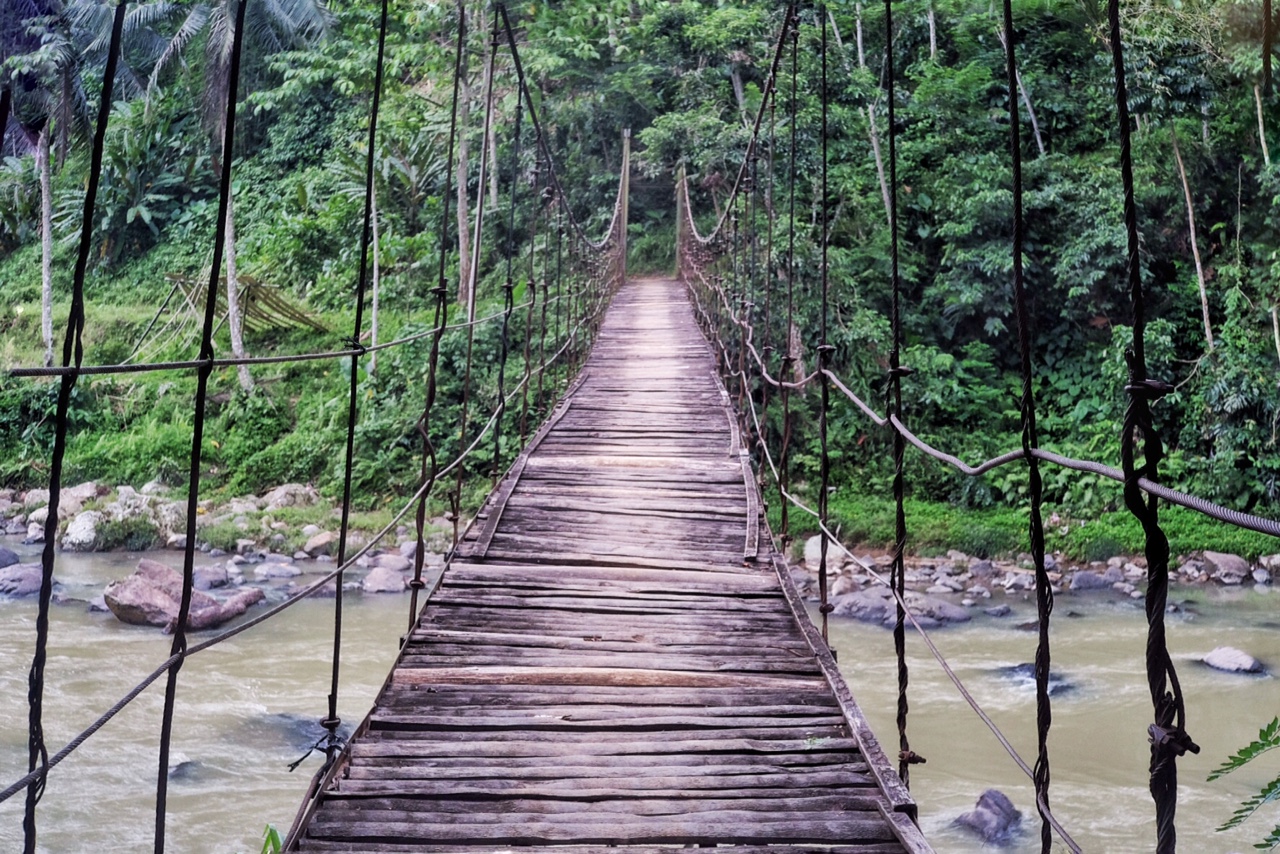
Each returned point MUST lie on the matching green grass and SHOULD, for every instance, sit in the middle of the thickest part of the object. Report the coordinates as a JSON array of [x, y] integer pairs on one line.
[[934, 527]]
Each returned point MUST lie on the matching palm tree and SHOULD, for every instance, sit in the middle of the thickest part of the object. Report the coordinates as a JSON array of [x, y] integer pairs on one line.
[[40, 87], [270, 28]]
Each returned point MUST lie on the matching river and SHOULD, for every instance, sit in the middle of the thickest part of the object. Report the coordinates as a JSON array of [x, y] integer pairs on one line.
[[247, 709]]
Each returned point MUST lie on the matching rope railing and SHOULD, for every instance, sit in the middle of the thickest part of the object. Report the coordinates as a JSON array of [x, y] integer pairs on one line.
[[586, 274], [723, 286]]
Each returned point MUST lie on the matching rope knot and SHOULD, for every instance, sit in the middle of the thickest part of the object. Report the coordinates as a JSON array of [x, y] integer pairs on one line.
[[911, 757], [356, 346], [826, 608], [901, 371], [417, 583]]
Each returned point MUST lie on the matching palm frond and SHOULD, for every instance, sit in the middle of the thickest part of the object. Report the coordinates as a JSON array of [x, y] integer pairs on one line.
[[1268, 739]]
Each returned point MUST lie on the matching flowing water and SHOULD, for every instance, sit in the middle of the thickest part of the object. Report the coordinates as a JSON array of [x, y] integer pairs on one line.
[[248, 708]]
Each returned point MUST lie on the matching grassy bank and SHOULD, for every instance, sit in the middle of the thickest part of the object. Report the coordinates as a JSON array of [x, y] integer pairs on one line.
[[934, 527]]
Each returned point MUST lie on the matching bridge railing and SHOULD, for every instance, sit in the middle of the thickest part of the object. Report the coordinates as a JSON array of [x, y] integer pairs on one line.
[[743, 274], [570, 280]]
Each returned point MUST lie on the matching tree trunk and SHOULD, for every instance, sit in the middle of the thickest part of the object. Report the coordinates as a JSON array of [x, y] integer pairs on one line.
[[873, 131], [1262, 130], [1026, 98], [740, 92], [464, 209], [862, 58], [46, 243], [1195, 249], [933, 32], [377, 279], [235, 321], [1275, 328], [491, 135]]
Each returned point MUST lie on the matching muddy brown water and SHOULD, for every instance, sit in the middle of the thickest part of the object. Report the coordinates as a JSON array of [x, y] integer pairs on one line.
[[248, 708]]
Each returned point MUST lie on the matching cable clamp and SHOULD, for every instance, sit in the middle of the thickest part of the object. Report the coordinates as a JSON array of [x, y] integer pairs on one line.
[[826, 608], [1176, 739], [901, 371], [441, 290], [911, 757], [1148, 389], [354, 344], [417, 583]]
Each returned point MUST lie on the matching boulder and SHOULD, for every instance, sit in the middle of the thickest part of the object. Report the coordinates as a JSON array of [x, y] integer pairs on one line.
[[242, 505], [209, 577], [1271, 562], [176, 541], [393, 562], [152, 595], [383, 580], [243, 547], [813, 552], [7, 557], [40, 515], [1231, 660], [35, 534], [939, 610], [171, 517], [154, 487], [320, 543], [290, 495], [310, 530], [997, 611], [35, 498], [409, 549], [300, 555], [994, 819], [20, 579], [1227, 568], [82, 533], [869, 606], [1261, 576], [276, 570], [1088, 580]]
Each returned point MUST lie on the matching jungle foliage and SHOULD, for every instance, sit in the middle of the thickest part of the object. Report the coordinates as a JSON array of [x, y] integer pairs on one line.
[[687, 77]]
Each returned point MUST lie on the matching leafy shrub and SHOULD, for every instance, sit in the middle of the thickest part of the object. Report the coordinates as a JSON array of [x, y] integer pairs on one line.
[[132, 534]]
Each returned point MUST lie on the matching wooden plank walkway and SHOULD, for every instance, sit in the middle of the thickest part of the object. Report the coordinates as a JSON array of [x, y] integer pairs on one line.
[[608, 661]]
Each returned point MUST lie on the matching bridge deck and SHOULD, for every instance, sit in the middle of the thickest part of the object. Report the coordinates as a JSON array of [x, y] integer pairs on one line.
[[601, 666]]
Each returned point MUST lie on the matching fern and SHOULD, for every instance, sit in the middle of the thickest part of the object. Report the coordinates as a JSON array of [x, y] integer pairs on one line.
[[1271, 841], [1268, 738], [1266, 795]]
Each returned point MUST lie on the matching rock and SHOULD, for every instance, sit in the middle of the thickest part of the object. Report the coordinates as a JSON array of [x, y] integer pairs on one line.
[[409, 549], [1113, 575], [39, 516], [290, 495], [813, 552], [209, 577], [152, 595], [382, 579], [1231, 660], [939, 589], [393, 562], [982, 569], [35, 498], [7, 557], [958, 556], [993, 818], [997, 611], [1271, 562], [1088, 580], [300, 555], [82, 533], [216, 553], [1260, 576], [310, 530], [979, 591], [869, 606], [176, 541], [1050, 563], [935, 609], [35, 534], [320, 543], [1025, 675], [245, 546], [276, 570], [154, 487], [1123, 587], [1227, 568], [1019, 581], [21, 579], [274, 557], [842, 585], [171, 517]]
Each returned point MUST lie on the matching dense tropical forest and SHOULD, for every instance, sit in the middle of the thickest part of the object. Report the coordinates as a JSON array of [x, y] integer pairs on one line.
[[687, 79]]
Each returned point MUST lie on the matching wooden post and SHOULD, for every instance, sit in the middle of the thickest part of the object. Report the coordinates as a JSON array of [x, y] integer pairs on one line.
[[626, 205]]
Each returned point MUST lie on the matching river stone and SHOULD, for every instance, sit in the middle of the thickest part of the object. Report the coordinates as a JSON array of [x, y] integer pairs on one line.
[[408, 549], [1261, 576], [276, 570], [1231, 660], [1088, 580], [7, 557], [382, 579], [1113, 575], [20, 579], [939, 589], [290, 495], [40, 515], [310, 530], [813, 552], [868, 606], [152, 596], [993, 818], [1271, 562], [997, 611], [300, 555], [320, 543], [935, 609], [82, 533], [1227, 568], [35, 534], [209, 577], [35, 498]]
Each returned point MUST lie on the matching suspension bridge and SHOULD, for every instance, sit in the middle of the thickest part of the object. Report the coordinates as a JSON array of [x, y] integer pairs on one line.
[[616, 654]]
